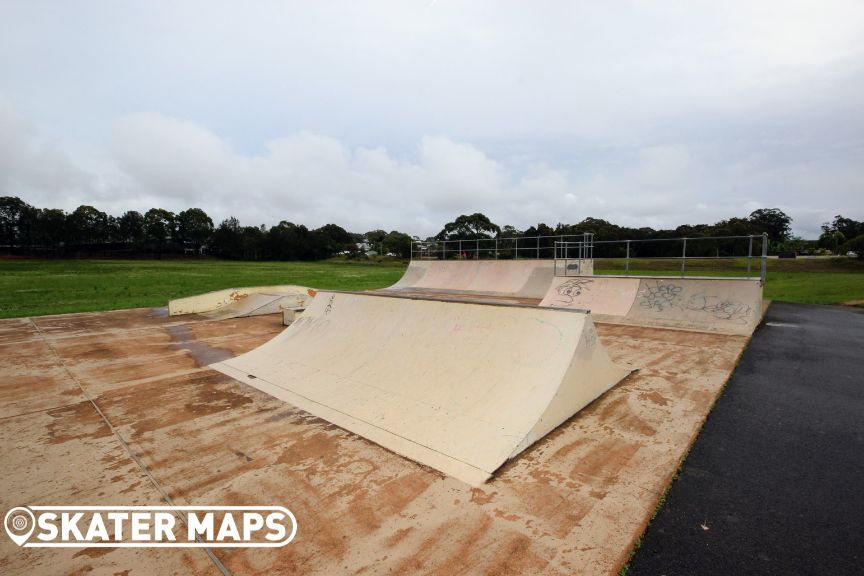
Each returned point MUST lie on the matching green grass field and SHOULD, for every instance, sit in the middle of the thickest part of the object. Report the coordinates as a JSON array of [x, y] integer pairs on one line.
[[38, 287]]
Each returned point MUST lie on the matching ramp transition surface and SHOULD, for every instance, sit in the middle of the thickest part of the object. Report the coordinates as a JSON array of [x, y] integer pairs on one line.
[[523, 278], [725, 305], [242, 302], [460, 387]]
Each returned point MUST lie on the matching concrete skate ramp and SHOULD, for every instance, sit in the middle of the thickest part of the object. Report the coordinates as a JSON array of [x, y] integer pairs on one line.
[[459, 387], [725, 305], [240, 302], [523, 278]]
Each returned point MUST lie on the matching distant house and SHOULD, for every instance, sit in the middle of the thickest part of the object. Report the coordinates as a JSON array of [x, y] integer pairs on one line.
[[363, 246]]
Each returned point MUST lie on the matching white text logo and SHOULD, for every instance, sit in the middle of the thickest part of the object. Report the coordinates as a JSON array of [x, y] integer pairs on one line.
[[150, 526]]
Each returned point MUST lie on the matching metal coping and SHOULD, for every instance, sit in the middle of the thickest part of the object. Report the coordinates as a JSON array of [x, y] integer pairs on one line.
[[452, 300], [678, 277]]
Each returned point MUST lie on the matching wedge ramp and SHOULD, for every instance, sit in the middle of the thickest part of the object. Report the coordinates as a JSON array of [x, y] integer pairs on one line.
[[240, 302], [725, 305], [460, 387]]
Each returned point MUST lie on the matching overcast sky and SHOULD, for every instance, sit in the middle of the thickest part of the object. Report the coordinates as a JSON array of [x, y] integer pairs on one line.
[[405, 114]]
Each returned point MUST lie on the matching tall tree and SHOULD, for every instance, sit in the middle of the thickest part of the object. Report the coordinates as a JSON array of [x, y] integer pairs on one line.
[[87, 225], [538, 243], [227, 239], [287, 241], [772, 221], [509, 231], [160, 226], [132, 227], [112, 229], [330, 239], [16, 221], [50, 229], [252, 242], [469, 227], [194, 226], [847, 226], [397, 243]]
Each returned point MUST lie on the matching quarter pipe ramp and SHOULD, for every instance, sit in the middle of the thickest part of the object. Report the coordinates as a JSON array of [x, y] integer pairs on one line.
[[726, 305], [521, 278], [240, 302], [459, 387]]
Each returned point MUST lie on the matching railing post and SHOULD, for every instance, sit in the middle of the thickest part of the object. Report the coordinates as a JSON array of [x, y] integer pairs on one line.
[[516, 250], [496, 248], [580, 250], [477, 249], [764, 257], [627, 260], [555, 259], [683, 257], [459, 256], [749, 255], [538, 247]]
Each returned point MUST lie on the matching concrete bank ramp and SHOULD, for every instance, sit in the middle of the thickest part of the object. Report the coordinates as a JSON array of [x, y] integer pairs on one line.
[[459, 387], [240, 302], [522, 278], [725, 305]]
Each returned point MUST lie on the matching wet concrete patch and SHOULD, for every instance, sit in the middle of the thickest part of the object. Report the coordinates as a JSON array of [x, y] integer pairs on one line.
[[204, 354]]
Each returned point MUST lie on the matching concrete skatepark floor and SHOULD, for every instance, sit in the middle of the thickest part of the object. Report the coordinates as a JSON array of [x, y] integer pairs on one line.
[[774, 483], [576, 502]]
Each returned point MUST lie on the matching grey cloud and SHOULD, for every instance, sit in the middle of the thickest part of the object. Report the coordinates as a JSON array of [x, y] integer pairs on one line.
[[405, 114], [31, 166]]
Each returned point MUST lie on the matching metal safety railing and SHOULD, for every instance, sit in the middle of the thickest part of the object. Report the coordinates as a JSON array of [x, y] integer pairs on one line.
[[536, 247], [700, 248], [571, 251]]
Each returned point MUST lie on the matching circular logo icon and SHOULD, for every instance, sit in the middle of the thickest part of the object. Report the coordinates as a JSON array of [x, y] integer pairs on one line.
[[19, 523]]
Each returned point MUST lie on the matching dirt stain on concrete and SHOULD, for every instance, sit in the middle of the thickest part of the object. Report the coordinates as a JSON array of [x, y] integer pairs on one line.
[[654, 397]]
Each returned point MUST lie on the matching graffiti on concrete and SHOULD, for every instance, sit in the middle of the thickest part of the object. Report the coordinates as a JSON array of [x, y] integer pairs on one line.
[[571, 288], [661, 297], [664, 296], [736, 312]]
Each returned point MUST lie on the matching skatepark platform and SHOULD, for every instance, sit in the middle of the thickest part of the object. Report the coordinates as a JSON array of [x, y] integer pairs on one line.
[[573, 503], [458, 386], [726, 305], [729, 305]]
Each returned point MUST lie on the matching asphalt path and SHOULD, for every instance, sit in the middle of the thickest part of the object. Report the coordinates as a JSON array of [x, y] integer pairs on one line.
[[775, 482]]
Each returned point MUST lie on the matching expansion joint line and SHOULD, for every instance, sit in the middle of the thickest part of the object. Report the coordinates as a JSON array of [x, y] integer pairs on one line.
[[218, 563]]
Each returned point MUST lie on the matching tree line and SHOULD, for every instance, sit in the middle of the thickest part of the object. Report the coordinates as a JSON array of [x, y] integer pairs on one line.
[[87, 230], [476, 231], [157, 232]]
